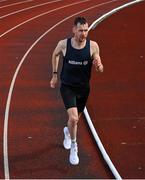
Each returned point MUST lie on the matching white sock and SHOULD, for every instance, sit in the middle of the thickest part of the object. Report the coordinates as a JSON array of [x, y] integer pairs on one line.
[[74, 140]]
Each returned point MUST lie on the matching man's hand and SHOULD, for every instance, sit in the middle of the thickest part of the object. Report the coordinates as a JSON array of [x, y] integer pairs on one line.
[[53, 81], [99, 68], [98, 65]]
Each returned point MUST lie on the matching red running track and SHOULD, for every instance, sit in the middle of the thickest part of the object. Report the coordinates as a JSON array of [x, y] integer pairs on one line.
[[118, 111], [37, 116]]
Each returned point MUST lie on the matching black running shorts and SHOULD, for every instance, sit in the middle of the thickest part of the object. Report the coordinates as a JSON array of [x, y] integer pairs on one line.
[[74, 96]]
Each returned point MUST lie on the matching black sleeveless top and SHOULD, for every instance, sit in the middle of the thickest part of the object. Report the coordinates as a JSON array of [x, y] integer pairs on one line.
[[77, 64]]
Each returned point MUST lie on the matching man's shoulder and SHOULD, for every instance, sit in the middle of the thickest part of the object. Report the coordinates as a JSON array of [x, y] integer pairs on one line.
[[63, 43], [93, 43], [61, 46]]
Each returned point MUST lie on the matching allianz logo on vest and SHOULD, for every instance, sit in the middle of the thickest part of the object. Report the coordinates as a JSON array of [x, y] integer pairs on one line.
[[84, 63]]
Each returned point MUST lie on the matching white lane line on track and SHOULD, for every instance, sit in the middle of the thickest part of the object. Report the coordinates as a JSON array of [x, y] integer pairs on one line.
[[25, 9], [35, 17], [8, 5], [5, 134]]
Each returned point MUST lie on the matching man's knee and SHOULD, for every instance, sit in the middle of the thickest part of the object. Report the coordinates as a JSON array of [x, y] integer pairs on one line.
[[73, 116], [73, 119]]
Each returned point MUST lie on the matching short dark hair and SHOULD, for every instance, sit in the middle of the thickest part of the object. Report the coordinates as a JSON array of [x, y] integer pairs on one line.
[[80, 20]]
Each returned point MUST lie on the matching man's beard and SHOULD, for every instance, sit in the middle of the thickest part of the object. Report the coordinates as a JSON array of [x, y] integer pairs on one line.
[[82, 39]]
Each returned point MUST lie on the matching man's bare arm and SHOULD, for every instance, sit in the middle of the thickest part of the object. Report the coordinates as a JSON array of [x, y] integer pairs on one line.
[[55, 57], [96, 56], [55, 61]]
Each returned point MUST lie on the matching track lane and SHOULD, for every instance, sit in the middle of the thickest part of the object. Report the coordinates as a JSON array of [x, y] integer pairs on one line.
[[123, 90], [16, 11], [14, 20], [14, 4], [3, 3]]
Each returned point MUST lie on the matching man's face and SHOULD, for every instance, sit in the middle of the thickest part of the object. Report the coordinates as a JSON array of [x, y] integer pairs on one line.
[[81, 32]]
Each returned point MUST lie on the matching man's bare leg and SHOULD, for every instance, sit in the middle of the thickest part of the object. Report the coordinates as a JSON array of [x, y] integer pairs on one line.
[[73, 119], [72, 126]]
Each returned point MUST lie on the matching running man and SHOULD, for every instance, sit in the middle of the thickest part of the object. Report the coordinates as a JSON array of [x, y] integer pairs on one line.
[[79, 53]]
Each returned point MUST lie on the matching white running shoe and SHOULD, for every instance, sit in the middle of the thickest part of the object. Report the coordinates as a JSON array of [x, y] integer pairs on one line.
[[73, 157], [67, 138]]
